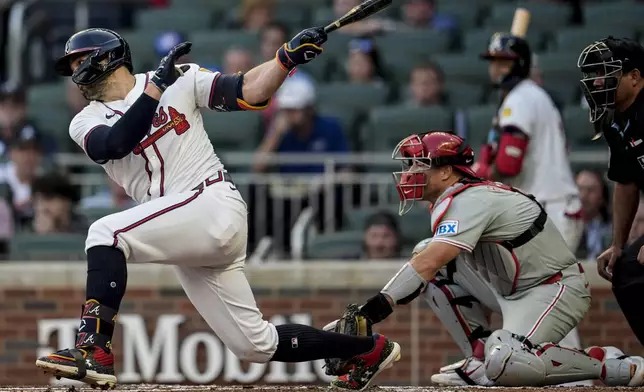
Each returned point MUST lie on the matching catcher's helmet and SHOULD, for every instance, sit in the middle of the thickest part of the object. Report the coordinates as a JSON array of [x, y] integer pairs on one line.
[[509, 47], [106, 52], [602, 64], [423, 151]]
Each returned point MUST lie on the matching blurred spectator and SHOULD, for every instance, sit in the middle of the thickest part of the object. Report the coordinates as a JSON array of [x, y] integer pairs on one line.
[[25, 159], [113, 197], [273, 37], [168, 40], [422, 14], [382, 239], [54, 201], [75, 100], [594, 196], [427, 85], [372, 25], [13, 119], [297, 128], [637, 229], [256, 14], [364, 64], [237, 60]]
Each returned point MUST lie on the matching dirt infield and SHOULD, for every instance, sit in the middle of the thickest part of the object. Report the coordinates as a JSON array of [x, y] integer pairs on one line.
[[186, 388]]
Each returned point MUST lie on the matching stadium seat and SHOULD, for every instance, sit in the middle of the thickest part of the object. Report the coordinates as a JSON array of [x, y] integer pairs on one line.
[[414, 225], [413, 44], [579, 130], [544, 15], [219, 5], [47, 108], [461, 95], [576, 39], [94, 214], [387, 126], [333, 246], [142, 46], [351, 96], [463, 68], [560, 66], [466, 15], [187, 19], [50, 247], [321, 69], [210, 46], [292, 15], [623, 14], [479, 123], [476, 41], [564, 91], [234, 131]]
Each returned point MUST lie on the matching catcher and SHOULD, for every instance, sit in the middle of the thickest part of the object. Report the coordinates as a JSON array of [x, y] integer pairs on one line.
[[493, 246]]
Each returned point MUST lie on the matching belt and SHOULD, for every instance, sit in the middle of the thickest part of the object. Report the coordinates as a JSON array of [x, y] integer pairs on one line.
[[219, 177]]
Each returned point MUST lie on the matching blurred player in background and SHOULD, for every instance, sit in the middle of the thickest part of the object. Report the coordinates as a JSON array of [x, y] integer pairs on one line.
[[527, 145]]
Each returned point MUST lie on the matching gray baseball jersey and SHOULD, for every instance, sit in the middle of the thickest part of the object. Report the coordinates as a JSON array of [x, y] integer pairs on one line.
[[478, 217]]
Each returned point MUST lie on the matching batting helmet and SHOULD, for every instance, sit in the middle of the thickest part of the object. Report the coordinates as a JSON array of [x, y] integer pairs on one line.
[[509, 47], [420, 152], [106, 52]]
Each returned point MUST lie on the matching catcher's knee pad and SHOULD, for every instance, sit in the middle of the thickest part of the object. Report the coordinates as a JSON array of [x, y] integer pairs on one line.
[[509, 363]]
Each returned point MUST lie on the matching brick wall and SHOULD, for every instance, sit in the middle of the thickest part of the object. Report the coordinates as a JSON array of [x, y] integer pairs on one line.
[[22, 307]]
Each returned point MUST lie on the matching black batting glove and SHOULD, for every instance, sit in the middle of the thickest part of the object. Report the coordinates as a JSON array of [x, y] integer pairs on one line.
[[166, 74], [303, 48]]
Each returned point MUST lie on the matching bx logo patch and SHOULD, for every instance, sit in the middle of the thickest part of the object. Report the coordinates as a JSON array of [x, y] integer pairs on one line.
[[448, 227]]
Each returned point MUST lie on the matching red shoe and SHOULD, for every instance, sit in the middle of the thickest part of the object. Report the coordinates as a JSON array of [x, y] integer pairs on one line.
[[91, 365], [367, 366]]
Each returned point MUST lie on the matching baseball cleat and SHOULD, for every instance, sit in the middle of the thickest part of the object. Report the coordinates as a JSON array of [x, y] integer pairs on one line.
[[365, 367], [469, 371], [91, 365]]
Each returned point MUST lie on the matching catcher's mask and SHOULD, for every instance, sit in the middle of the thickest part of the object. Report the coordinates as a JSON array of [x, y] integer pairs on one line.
[[420, 152], [601, 72], [105, 50]]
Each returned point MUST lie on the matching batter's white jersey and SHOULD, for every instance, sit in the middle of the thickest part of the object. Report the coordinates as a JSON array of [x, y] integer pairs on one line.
[[176, 154], [546, 172]]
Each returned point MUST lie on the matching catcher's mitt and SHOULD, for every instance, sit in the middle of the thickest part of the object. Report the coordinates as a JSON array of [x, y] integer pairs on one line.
[[354, 323]]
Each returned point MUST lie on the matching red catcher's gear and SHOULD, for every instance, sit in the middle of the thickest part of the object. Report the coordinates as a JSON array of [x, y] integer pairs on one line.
[[420, 152]]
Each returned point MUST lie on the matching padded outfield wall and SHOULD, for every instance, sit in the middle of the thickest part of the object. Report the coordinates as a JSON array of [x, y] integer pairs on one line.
[[162, 339]]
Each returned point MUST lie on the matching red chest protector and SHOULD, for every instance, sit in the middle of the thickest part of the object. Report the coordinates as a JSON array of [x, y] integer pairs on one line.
[[534, 229]]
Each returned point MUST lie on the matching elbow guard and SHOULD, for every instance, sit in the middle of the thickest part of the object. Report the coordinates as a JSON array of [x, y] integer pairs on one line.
[[512, 149]]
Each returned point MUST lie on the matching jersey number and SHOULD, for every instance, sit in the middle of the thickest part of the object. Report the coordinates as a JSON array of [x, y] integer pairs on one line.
[[177, 121]]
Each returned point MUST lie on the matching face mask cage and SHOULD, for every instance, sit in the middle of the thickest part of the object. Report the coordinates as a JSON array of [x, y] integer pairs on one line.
[[411, 180], [94, 68], [600, 78]]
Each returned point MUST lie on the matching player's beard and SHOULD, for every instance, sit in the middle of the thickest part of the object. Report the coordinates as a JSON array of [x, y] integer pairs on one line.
[[95, 91]]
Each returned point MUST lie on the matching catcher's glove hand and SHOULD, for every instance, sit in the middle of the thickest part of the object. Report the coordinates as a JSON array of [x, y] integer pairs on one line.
[[354, 323]]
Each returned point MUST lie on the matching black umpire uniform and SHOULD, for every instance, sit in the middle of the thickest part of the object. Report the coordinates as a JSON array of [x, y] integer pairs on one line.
[[603, 65]]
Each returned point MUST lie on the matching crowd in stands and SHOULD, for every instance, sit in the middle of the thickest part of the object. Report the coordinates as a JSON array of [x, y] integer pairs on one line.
[[39, 198]]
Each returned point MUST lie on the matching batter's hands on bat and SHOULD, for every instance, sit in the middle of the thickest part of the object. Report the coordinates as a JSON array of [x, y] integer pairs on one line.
[[606, 261], [353, 323], [166, 74], [303, 48]]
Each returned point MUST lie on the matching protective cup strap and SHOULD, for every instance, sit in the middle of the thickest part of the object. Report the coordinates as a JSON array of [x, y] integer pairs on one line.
[[406, 285]]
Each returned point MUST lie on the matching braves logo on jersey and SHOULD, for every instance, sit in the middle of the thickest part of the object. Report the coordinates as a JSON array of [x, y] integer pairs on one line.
[[164, 123]]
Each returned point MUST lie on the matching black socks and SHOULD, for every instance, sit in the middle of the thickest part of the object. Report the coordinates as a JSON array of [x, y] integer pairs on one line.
[[106, 276], [106, 282], [300, 343]]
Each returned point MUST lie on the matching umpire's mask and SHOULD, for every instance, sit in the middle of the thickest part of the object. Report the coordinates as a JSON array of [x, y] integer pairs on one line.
[[601, 73]]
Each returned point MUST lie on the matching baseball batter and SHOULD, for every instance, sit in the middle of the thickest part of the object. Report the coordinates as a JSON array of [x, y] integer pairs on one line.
[[527, 145], [493, 246], [147, 132]]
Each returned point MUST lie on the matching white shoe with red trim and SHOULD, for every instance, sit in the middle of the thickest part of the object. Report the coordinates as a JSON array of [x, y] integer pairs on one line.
[[469, 371]]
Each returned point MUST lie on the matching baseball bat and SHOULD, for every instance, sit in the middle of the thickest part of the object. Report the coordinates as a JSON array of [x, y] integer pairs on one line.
[[520, 22], [358, 13]]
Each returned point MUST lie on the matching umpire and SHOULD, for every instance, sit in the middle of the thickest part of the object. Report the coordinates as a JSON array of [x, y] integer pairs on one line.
[[612, 82]]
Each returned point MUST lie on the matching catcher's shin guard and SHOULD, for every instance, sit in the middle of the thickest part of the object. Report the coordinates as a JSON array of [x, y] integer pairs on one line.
[[91, 360], [461, 313], [513, 361]]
